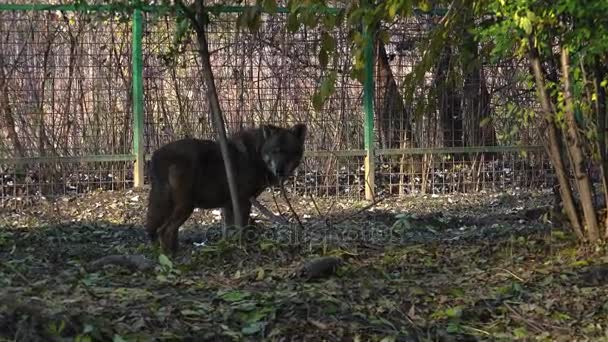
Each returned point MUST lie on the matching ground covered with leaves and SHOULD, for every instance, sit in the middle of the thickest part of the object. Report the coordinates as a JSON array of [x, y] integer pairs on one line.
[[448, 268]]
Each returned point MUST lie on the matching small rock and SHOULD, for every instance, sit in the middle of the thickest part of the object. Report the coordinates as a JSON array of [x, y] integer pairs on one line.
[[320, 267]]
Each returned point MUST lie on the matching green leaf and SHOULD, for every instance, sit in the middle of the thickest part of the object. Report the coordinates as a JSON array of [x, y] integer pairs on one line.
[[330, 21], [270, 6], [520, 332], [118, 338], [253, 328], [183, 24], [317, 102], [323, 58], [328, 44], [309, 19], [388, 339], [425, 5], [392, 9], [453, 328], [260, 274], [454, 312], [255, 22], [580, 263], [234, 296], [327, 41], [250, 18], [559, 235], [485, 121], [328, 86], [384, 36], [357, 74], [293, 24], [258, 314], [164, 261], [88, 329]]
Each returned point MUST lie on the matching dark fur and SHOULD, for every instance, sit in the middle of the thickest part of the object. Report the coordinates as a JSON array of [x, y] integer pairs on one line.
[[189, 173]]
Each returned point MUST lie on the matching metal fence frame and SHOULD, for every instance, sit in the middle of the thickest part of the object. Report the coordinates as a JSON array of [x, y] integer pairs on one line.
[[138, 155]]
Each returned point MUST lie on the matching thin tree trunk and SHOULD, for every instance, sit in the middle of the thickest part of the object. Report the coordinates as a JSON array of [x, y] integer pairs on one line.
[[599, 73], [199, 21], [448, 101], [553, 148], [7, 117], [180, 104], [66, 120], [578, 156], [391, 111]]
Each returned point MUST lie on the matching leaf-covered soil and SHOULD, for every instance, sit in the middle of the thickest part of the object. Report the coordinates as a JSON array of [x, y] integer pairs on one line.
[[448, 268]]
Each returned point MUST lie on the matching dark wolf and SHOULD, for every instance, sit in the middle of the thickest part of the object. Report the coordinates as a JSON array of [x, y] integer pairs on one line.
[[189, 173]]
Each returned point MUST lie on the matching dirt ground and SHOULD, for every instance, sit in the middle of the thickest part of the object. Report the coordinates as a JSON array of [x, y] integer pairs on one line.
[[427, 268]]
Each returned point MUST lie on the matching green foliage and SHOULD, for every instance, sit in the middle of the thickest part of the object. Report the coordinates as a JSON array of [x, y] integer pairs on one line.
[[251, 18], [165, 270], [358, 16], [547, 28], [504, 29], [581, 27], [328, 85], [56, 328]]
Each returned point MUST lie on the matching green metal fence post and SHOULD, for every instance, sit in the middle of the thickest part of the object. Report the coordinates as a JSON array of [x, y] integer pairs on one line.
[[138, 100], [368, 108]]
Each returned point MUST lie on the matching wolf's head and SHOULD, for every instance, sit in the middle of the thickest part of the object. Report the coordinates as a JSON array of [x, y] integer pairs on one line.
[[283, 148]]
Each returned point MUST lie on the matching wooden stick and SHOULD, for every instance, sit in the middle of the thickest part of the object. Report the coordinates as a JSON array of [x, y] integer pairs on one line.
[[272, 217]]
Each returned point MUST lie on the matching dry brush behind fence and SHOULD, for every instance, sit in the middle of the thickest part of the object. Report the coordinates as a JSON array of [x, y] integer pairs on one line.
[[66, 91]]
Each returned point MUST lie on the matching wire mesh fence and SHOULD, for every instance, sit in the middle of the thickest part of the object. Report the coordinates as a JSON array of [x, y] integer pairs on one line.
[[65, 88], [66, 97], [456, 129]]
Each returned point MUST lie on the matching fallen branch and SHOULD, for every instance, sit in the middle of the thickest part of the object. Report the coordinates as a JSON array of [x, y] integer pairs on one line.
[[132, 262], [272, 217], [301, 226], [510, 273], [529, 322], [312, 198], [276, 204]]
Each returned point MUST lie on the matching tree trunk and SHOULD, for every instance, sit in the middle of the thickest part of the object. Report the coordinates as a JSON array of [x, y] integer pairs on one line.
[[599, 73], [199, 21], [448, 101], [392, 115], [6, 118], [575, 145], [554, 144], [476, 99]]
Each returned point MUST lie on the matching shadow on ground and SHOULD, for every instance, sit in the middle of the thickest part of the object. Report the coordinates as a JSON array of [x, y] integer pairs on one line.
[[451, 268]]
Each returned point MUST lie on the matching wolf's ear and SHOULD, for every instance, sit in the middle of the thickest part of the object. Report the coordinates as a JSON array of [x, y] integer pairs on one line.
[[268, 130], [299, 130]]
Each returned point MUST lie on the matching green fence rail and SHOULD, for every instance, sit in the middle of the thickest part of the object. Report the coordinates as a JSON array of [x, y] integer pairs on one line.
[[138, 100]]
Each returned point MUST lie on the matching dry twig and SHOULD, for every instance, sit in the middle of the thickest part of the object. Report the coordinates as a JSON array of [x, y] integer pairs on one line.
[[266, 212]]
